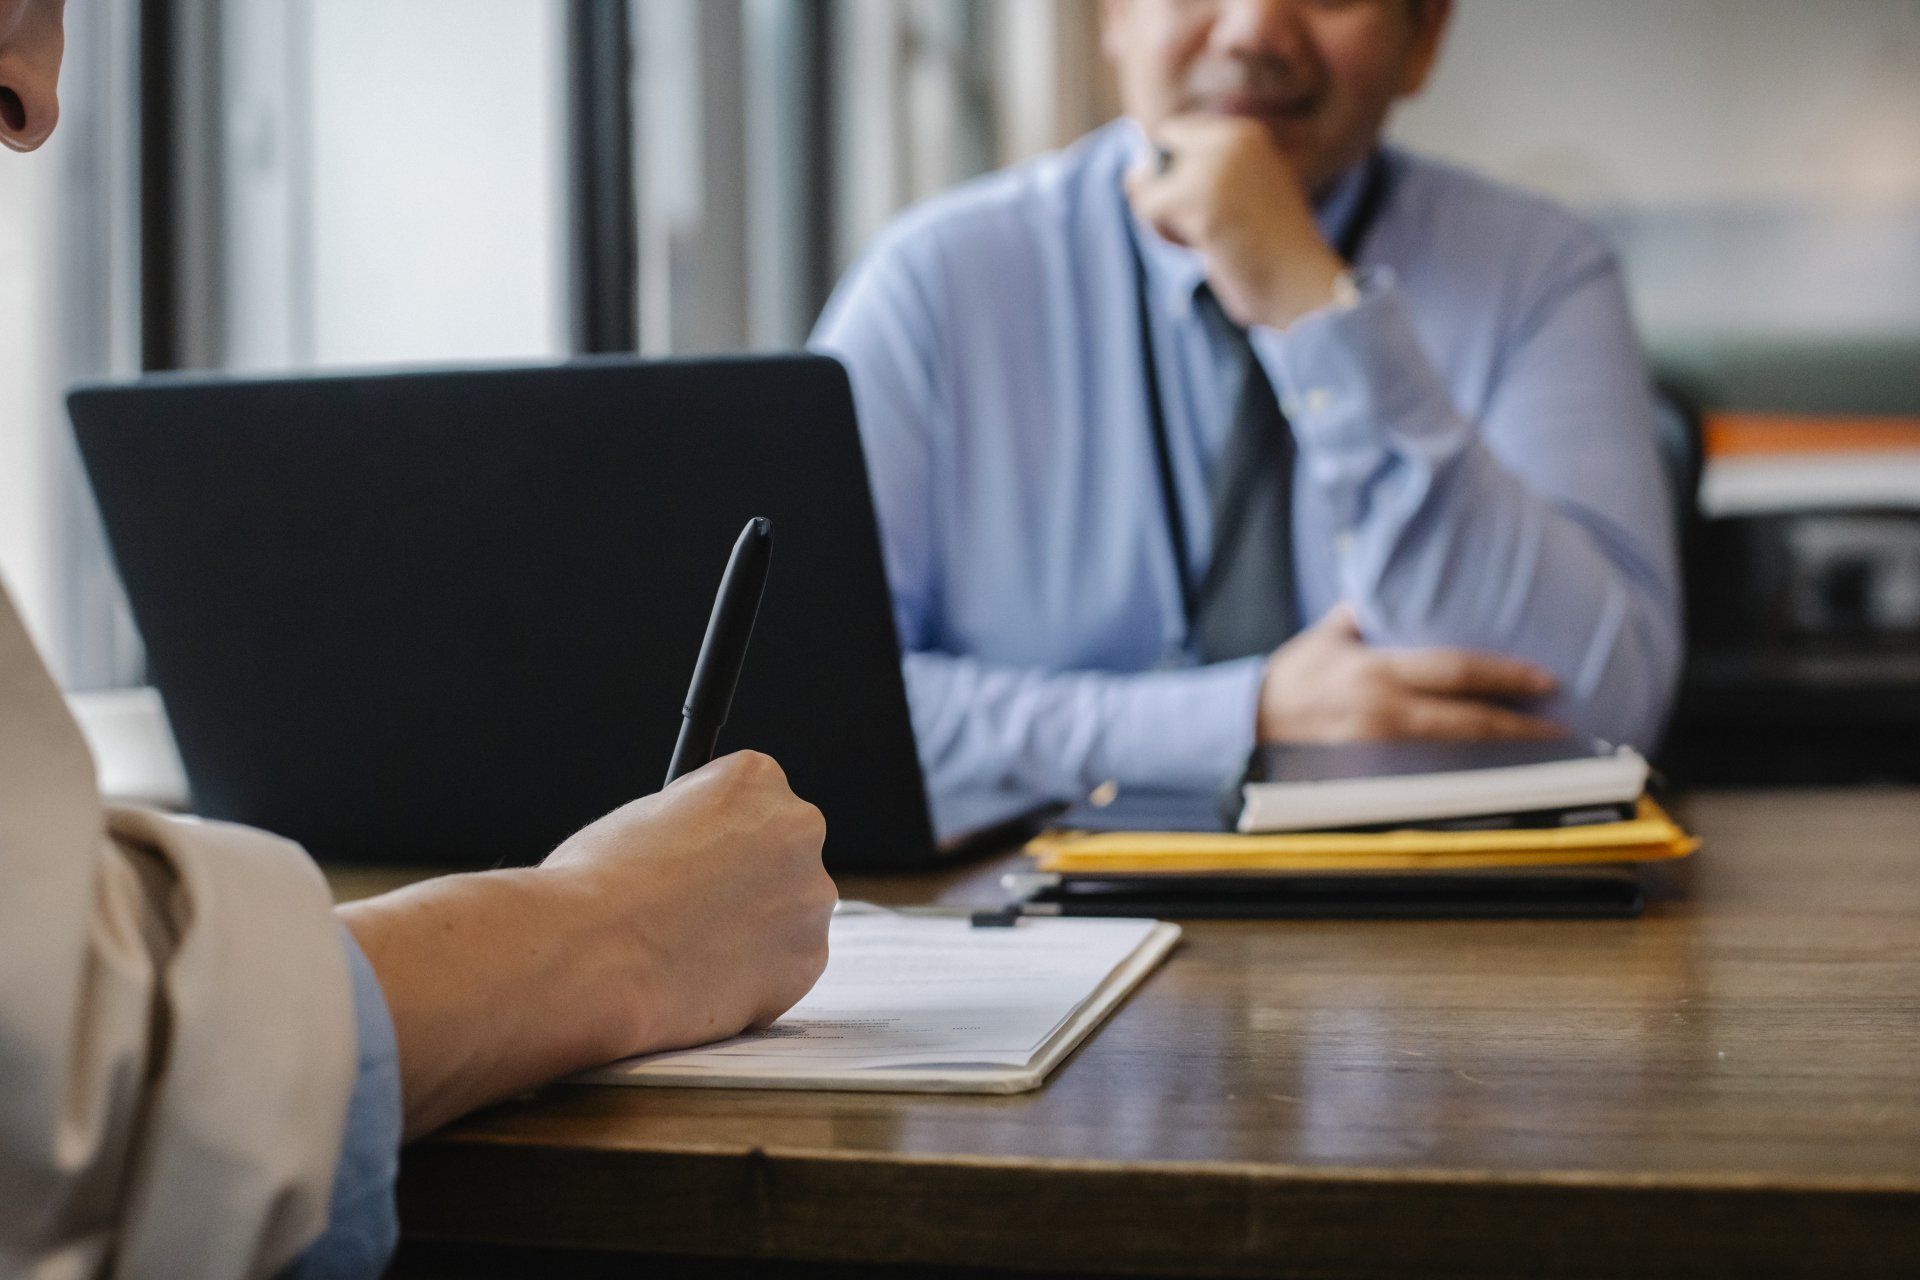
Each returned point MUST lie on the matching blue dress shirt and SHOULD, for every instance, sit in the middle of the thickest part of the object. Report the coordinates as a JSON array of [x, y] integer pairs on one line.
[[1476, 466], [363, 1225]]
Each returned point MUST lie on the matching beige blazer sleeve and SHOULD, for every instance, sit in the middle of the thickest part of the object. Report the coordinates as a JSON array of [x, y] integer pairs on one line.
[[176, 1023]]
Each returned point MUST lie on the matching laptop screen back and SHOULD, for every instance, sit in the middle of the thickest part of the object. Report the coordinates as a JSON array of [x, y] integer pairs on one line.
[[449, 617]]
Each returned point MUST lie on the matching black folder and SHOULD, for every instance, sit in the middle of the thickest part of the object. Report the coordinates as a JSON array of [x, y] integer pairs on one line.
[[1381, 896], [1585, 893]]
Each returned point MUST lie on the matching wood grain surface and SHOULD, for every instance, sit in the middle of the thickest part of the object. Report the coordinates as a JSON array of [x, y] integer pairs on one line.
[[1729, 1086]]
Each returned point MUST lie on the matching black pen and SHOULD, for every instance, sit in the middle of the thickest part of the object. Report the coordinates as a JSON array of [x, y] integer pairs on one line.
[[724, 651]]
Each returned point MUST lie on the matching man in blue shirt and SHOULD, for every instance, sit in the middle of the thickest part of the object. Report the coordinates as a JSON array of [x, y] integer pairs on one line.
[[1228, 424]]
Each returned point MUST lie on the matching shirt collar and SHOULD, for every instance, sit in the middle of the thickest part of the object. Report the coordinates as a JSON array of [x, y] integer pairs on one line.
[[1175, 273]]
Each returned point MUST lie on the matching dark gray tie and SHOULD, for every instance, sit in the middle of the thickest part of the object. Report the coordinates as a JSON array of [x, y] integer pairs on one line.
[[1245, 603]]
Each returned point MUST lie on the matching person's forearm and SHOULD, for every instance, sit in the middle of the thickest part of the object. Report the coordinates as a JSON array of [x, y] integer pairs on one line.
[[1482, 562], [1442, 545], [681, 917], [981, 725], [496, 982]]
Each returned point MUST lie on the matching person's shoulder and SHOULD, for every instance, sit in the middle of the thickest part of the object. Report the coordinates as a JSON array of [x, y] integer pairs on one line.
[[1480, 220], [1012, 218]]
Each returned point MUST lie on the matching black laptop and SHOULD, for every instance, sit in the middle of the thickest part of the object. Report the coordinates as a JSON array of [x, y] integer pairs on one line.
[[448, 617]]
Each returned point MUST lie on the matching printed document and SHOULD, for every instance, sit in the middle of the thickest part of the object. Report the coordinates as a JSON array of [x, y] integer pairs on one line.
[[930, 1002]]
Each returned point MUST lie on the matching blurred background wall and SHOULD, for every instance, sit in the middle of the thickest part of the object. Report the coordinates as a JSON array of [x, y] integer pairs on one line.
[[1757, 162]]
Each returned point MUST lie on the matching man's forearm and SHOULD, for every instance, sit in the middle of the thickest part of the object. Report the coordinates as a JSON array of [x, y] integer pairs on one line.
[[1058, 734], [1484, 562], [1442, 545]]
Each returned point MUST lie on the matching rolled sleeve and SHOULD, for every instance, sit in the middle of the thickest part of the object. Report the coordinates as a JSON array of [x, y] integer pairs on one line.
[[363, 1224]]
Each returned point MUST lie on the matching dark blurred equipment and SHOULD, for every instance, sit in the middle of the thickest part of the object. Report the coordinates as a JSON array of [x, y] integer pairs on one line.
[[1682, 456], [1802, 564], [1804, 662], [447, 617]]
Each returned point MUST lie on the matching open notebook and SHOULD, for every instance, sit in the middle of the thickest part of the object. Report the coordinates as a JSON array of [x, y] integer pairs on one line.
[[932, 1004]]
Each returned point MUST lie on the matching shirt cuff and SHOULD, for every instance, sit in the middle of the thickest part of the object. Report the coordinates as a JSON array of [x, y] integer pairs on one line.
[[1350, 378], [1186, 729], [363, 1223]]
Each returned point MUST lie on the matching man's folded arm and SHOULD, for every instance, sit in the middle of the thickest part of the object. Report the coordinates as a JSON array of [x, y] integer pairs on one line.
[[1542, 533]]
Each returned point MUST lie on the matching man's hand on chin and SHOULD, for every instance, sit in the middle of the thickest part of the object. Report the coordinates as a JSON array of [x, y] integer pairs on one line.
[[1223, 188], [1327, 685]]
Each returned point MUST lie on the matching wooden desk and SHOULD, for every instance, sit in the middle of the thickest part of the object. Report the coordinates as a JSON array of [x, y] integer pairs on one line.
[[1729, 1086]]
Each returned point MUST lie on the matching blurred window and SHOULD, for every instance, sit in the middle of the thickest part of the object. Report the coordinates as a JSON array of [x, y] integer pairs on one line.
[[269, 185]]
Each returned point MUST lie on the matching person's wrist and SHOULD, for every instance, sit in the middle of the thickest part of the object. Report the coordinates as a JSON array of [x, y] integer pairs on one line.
[[602, 1009], [1305, 286]]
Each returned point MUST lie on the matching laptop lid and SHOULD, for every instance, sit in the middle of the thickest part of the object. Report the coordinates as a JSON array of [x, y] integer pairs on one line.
[[449, 617]]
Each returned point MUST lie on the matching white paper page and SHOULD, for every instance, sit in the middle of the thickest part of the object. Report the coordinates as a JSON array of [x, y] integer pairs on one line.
[[928, 991]]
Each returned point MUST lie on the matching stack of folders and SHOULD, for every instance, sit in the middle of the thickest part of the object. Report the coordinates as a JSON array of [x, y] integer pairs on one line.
[[1391, 829]]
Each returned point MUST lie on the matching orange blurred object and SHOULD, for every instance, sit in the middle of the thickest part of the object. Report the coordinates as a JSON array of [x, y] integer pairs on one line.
[[1736, 435]]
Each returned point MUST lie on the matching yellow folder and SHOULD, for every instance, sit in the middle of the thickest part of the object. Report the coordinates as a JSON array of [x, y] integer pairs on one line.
[[1649, 836]]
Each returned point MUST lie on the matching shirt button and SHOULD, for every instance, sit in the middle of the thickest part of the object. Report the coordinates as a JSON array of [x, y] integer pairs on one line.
[[1319, 400], [1343, 543]]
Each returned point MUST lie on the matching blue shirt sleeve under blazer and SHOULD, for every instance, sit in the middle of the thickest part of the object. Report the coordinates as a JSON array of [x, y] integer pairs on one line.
[[1477, 465], [363, 1225]]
